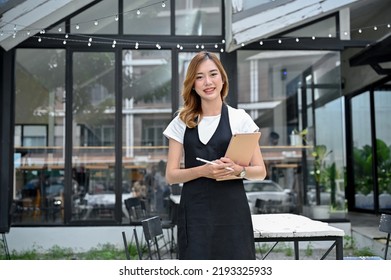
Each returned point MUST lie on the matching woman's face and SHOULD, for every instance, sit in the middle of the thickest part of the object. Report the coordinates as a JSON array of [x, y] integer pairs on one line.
[[208, 82]]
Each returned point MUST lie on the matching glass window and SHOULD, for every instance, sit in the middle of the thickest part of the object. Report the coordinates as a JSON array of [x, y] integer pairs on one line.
[[98, 19], [94, 134], [289, 94], [324, 28], [146, 84], [34, 135], [383, 127], [39, 111], [197, 17], [147, 18], [57, 29], [362, 151]]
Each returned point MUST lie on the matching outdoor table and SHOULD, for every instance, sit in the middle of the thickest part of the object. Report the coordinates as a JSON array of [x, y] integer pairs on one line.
[[296, 228]]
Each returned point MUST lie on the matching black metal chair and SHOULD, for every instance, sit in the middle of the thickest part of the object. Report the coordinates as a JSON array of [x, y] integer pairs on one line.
[[153, 233], [170, 224], [260, 206], [385, 226], [126, 246], [136, 212]]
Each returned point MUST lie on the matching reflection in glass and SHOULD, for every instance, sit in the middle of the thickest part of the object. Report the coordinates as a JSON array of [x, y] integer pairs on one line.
[[362, 152], [382, 117], [198, 17], [98, 19], [324, 28], [295, 92], [93, 135], [141, 17], [146, 112], [39, 139]]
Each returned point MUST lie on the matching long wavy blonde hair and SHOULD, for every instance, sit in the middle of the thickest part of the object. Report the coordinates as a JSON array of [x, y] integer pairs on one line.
[[191, 111]]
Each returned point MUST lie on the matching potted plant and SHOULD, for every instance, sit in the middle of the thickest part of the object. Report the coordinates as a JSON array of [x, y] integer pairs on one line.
[[318, 172], [297, 137]]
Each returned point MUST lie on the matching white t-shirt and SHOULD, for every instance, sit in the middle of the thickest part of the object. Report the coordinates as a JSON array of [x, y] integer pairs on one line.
[[240, 122]]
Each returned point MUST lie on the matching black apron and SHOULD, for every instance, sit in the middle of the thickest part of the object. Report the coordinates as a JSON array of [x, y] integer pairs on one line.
[[214, 219]]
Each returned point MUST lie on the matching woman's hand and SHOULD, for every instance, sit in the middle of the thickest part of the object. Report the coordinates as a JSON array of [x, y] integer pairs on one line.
[[218, 169]]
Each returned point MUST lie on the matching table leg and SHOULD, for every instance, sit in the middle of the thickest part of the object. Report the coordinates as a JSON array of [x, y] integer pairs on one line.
[[296, 246], [339, 248]]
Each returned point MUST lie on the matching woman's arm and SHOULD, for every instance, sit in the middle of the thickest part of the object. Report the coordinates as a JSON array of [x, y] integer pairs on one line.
[[255, 171], [257, 168], [175, 174]]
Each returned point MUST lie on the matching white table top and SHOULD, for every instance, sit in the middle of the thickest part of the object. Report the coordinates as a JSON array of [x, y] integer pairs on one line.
[[291, 225]]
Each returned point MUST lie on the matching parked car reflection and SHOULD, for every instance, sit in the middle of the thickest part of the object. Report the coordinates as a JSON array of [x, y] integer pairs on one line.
[[266, 196]]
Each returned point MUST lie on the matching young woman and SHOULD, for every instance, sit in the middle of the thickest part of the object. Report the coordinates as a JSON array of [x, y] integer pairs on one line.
[[214, 220]]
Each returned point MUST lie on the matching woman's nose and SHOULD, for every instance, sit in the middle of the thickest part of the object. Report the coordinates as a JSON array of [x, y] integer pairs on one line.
[[207, 81]]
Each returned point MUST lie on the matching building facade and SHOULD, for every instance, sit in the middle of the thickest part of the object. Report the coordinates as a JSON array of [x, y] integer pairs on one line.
[[87, 90]]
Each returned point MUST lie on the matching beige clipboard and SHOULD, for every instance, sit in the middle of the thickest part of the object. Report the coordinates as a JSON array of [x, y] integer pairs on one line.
[[241, 149]]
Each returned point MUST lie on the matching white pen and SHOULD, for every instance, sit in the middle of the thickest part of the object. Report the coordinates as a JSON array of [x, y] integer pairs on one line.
[[211, 162]]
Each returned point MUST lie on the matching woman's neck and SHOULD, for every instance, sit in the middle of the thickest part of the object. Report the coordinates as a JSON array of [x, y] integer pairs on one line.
[[211, 108]]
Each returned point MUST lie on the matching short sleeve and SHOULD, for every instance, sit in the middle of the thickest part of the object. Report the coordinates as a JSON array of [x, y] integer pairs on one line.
[[241, 121], [175, 130]]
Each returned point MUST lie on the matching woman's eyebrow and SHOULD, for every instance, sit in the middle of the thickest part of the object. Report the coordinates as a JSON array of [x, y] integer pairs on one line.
[[210, 71]]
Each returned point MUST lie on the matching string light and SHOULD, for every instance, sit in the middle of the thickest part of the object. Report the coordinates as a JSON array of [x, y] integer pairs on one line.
[[101, 40]]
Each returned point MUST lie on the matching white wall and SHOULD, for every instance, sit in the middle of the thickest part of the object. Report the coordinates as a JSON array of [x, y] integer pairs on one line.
[[79, 239]]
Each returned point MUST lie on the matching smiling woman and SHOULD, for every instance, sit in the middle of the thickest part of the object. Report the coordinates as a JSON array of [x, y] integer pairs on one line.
[[202, 130]]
